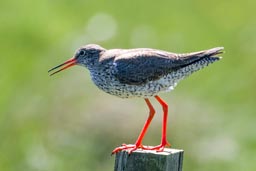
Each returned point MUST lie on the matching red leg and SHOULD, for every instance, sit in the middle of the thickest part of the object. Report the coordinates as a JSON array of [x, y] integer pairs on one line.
[[138, 143], [164, 141]]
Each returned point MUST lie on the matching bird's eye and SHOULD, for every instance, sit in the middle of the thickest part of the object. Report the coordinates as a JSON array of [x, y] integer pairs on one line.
[[82, 53]]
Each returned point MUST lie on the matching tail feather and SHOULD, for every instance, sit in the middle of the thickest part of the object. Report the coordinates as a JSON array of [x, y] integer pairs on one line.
[[214, 51], [203, 53], [189, 58]]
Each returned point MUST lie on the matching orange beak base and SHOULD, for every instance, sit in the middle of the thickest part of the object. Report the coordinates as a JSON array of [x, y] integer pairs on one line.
[[65, 65]]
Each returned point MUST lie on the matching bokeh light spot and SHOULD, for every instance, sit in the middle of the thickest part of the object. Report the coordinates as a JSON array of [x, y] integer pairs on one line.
[[101, 27]]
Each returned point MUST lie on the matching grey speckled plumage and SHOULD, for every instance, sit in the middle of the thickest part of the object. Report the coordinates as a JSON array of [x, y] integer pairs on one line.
[[141, 72]]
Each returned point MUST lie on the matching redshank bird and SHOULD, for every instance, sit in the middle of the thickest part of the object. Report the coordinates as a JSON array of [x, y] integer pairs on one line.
[[141, 72]]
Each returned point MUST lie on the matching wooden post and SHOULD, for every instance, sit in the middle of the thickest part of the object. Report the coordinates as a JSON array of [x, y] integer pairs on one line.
[[149, 160]]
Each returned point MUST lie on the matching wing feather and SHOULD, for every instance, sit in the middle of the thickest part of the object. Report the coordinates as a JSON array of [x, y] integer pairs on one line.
[[139, 66]]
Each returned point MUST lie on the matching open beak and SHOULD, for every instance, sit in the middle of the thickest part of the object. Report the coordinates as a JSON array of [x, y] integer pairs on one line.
[[65, 65]]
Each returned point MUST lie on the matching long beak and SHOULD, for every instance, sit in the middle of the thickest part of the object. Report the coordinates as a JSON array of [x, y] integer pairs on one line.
[[65, 65]]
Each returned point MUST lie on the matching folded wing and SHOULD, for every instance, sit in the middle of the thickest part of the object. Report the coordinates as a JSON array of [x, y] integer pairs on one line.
[[139, 66]]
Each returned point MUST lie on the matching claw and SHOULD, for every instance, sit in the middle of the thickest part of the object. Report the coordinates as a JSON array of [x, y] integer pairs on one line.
[[130, 148]]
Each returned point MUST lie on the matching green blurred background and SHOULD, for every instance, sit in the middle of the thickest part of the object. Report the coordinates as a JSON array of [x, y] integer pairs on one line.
[[65, 123]]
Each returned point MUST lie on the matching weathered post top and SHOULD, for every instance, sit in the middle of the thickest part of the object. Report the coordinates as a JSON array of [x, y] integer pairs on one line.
[[149, 160]]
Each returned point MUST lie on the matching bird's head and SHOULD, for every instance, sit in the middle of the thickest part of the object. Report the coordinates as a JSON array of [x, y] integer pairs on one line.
[[87, 55]]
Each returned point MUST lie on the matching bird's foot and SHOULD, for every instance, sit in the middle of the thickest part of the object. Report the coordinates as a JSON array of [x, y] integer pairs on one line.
[[129, 147], [158, 148], [132, 147]]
